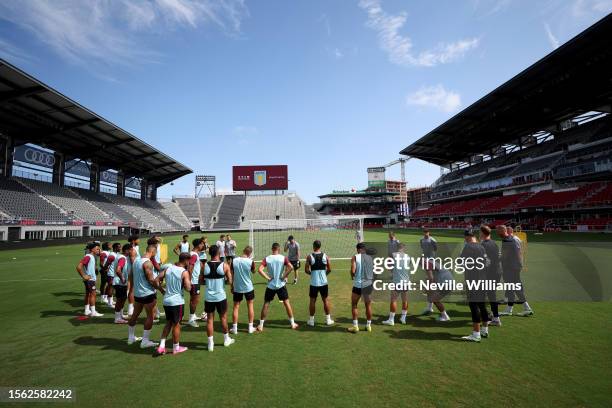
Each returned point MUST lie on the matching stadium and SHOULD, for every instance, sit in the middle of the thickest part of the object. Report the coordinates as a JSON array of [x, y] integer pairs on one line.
[[533, 155]]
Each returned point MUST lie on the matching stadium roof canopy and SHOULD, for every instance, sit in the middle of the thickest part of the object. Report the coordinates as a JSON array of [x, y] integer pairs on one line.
[[32, 112], [574, 79]]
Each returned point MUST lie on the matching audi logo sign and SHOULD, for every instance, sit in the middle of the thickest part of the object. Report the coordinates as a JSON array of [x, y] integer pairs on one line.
[[35, 156], [39, 157]]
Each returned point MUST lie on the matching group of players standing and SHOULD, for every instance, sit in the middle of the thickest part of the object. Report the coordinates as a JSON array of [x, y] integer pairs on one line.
[[503, 264], [136, 278]]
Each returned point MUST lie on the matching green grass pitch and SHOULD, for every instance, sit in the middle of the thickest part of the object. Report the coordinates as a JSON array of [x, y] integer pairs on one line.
[[559, 357]]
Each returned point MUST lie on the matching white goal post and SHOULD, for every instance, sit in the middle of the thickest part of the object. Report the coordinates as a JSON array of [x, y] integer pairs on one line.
[[338, 235]]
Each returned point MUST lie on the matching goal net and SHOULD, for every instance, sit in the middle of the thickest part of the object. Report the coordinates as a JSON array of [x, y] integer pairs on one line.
[[338, 235]]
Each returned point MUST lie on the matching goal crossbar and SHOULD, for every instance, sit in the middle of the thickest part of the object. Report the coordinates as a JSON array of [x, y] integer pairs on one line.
[[338, 235]]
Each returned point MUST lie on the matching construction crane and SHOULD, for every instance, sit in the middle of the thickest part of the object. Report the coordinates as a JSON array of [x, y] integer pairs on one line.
[[402, 161]]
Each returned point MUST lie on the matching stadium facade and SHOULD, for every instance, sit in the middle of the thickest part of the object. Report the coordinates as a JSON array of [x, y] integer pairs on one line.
[[535, 152], [67, 172], [378, 205]]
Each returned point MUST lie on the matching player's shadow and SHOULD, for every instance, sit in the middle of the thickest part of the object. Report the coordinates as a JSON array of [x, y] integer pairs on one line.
[[411, 334], [281, 324], [85, 321], [56, 313], [217, 327], [203, 345], [458, 313], [344, 320], [412, 320], [74, 302], [432, 322], [321, 327], [108, 343]]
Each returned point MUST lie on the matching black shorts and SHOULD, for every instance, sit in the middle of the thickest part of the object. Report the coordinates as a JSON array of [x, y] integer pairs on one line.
[[195, 289], [248, 295], [367, 291], [90, 286], [146, 300], [120, 292], [281, 293], [109, 280], [220, 307], [296, 264], [174, 314], [315, 290]]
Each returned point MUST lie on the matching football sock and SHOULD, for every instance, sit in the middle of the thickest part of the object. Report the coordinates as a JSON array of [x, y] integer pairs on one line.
[[145, 335]]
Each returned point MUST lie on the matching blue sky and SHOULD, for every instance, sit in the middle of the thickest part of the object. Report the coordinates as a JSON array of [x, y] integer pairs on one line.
[[327, 87]]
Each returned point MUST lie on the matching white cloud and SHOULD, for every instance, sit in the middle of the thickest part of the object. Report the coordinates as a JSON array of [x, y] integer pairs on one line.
[[139, 15], [603, 6], [581, 8], [400, 48], [100, 32], [11, 52], [435, 97], [490, 7], [554, 42]]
